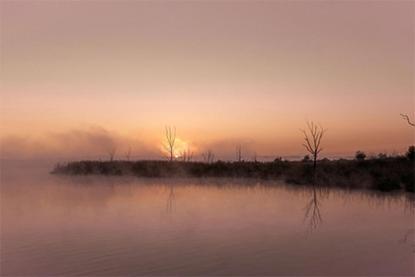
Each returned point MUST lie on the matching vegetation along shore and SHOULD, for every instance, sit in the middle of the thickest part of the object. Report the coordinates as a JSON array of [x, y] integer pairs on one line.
[[382, 172]]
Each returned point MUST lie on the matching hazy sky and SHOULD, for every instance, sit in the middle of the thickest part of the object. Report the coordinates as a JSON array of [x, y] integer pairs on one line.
[[75, 75]]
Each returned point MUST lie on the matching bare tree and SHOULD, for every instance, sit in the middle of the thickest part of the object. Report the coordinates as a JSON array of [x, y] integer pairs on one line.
[[312, 138], [239, 153], [187, 155], [128, 153], [112, 150], [208, 156], [183, 155], [170, 140], [406, 117]]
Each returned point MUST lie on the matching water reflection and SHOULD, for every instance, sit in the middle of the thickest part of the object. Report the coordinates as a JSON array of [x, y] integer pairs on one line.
[[112, 226], [171, 200], [409, 203], [312, 211]]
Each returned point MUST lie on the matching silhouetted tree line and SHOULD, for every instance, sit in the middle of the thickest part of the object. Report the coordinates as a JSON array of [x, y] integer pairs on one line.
[[385, 173]]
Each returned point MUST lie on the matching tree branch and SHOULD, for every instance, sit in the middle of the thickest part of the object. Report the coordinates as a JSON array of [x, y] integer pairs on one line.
[[406, 117]]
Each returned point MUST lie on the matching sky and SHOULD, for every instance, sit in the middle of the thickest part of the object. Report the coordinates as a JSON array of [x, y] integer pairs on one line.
[[78, 78]]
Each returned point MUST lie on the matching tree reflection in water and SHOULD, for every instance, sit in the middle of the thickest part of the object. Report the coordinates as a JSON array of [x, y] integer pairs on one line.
[[409, 207], [312, 215], [171, 200]]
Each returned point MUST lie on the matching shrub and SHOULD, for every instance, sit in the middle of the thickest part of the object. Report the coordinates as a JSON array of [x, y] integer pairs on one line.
[[410, 154], [382, 156], [360, 156], [278, 159], [306, 159]]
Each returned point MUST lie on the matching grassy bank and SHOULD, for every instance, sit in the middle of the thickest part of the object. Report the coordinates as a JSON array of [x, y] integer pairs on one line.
[[382, 173]]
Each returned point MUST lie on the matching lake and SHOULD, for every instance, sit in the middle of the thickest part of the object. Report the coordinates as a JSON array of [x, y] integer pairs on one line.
[[95, 225]]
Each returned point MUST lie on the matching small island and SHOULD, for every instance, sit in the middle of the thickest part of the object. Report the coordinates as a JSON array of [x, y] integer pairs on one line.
[[384, 173]]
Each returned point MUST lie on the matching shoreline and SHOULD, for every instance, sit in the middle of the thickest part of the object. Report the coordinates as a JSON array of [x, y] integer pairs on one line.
[[383, 174]]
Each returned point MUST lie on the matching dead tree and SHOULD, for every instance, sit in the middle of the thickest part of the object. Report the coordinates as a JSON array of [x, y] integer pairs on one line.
[[312, 138], [187, 156], [111, 152], [183, 155], [170, 140], [239, 153], [406, 117], [128, 153], [208, 156]]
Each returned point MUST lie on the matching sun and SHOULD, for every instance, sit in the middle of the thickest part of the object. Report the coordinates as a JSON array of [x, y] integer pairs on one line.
[[180, 147]]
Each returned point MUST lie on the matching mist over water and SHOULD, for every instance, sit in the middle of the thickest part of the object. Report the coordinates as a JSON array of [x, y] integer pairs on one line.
[[297, 90], [96, 225]]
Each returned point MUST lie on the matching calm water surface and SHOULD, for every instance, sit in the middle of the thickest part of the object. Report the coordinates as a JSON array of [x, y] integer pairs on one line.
[[55, 225]]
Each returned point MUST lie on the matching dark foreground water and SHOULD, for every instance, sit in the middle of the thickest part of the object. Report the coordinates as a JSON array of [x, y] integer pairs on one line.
[[55, 225]]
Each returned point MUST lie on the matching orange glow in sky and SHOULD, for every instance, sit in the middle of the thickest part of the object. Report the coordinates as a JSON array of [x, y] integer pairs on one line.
[[77, 76]]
